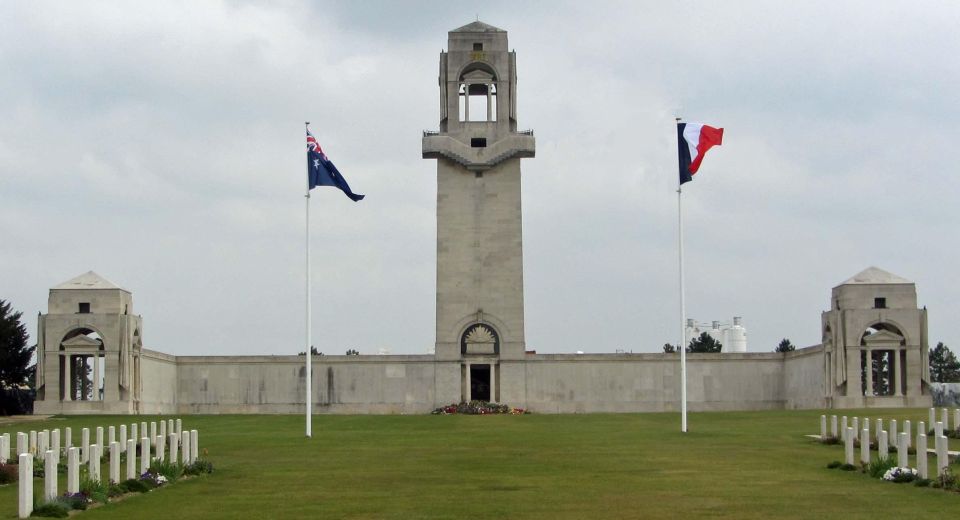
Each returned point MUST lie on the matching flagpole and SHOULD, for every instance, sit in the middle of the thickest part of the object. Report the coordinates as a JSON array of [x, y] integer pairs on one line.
[[683, 309], [309, 351]]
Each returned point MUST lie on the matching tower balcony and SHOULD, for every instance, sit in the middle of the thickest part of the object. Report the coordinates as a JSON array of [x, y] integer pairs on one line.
[[478, 155]]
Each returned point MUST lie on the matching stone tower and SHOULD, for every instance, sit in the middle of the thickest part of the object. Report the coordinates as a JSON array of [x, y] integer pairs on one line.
[[875, 343], [479, 234], [88, 349]]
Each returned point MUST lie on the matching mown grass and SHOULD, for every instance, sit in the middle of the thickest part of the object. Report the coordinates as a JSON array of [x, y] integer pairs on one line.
[[730, 465]]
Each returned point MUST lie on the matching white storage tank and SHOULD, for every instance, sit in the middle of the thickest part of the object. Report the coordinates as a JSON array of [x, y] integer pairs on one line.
[[736, 337]]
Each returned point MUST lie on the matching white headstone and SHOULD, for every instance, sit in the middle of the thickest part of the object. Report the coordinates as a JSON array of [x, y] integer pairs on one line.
[[73, 470], [153, 429], [185, 445], [921, 429], [170, 426], [823, 426], [41, 452], [956, 418], [160, 447], [195, 445], [25, 487], [123, 438], [848, 444], [85, 444], [909, 432], [833, 426], [131, 459], [865, 446], [173, 448], [163, 428], [882, 445], [938, 429], [23, 444], [933, 417], [893, 432], [100, 439], [55, 443], [67, 437], [4, 448], [856, 427], [114, 462], [179, 424], [903, 451], [133, 432], [49, 476], [32, 449], [843, 427], [922, 455], [94, 463], [943, 459], [879, 428], [866, 426], [945, 419], [143, 429], [144, 455], [111, 435]]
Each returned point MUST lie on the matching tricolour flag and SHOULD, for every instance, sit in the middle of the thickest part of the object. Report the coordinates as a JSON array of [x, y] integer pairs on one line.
[[693, 141], [322, 172]]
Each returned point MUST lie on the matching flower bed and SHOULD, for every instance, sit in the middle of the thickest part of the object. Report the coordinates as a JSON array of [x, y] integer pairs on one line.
[[478, 408]]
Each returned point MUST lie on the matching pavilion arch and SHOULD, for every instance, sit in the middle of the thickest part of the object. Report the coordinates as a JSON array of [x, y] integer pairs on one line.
[[82, 364], [883, 359], [477, 94], [885, 325]]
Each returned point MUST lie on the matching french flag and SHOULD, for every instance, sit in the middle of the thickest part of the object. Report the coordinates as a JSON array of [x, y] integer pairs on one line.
[[693, 141]]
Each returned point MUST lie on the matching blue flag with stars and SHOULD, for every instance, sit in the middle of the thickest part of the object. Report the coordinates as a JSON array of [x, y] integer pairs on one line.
[[322, 172]]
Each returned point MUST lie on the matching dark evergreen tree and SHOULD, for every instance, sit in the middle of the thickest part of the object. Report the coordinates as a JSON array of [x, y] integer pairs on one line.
[[15, 355], [944, 366], [669, 349], [785, 346], [704, 343]]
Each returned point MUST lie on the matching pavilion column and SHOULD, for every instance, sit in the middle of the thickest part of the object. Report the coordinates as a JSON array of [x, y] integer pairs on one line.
[[468, 394], [489, 104], [466, 105], [96, 377], [895, 371], [869, 370]]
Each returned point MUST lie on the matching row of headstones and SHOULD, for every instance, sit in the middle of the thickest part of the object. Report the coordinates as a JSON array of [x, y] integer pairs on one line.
[[37, 443], [902, 442], [92, 454]]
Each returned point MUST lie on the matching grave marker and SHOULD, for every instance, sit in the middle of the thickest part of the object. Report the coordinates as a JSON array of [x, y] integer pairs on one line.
[[833, 426], [179, 424], [922, 455], [114, 462], [4, 448], [879, 428], [85, 444], [893, 432], [144, 455], [133, 431], [163, 428], [73, 470], [32, 448], [882, 445], [933, 417], [25, 487], [23, 444], [153, 429], [55, 443], [68, 437], [848, 444], [93, 468], [131, 458], [843, 427], [123, 438], [823, 427], [185, 443], [100, 439], [943, 459], [111, 435], [173, 448], [938, 429], [856, 427], [160, 447], [49, 475], [902, 451], [944, 418], [41, 445], [194, 445], [865, 446]]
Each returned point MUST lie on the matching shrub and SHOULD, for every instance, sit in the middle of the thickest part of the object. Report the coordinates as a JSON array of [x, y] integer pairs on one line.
[[171, 471], [879, 467], [53, 509], [97, 491], [198, 467], [900, 475], [835, 464], [829, 440], [76, 501], [8, 473], [478, 408], [848, 467], [922, 482], [134, 486]]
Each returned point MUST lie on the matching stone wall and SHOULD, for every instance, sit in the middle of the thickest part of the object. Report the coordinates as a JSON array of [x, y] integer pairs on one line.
[[545, 383]]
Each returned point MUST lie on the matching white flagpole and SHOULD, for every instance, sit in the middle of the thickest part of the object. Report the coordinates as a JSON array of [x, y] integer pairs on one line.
[[309, 353], [683, 309]]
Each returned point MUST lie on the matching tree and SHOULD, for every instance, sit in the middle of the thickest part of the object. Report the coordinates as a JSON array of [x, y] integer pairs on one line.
[[704, 343], [669, 349], [785, 346], [15, 355], [313, 351], [944, 366], [353, 352]]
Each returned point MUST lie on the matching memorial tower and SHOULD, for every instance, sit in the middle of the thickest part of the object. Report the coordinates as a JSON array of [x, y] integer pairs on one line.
[[479, 233]]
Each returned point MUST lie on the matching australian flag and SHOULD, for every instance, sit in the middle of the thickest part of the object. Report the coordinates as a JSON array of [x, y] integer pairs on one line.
[[322, 172]]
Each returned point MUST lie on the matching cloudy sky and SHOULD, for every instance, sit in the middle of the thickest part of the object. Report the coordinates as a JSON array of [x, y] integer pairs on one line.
[[160, 144]]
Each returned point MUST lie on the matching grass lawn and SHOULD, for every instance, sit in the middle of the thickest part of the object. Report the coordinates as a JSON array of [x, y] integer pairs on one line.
[[731, 465]]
